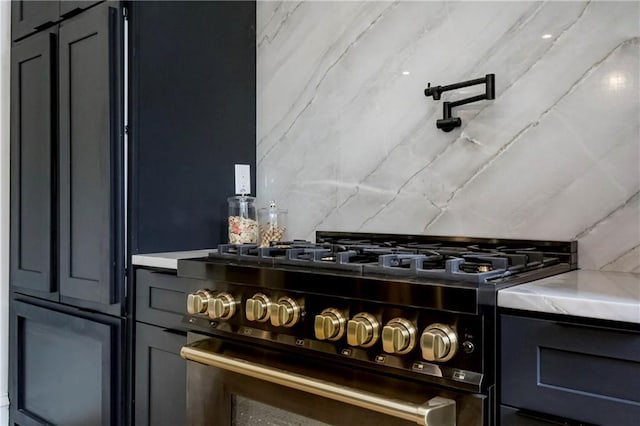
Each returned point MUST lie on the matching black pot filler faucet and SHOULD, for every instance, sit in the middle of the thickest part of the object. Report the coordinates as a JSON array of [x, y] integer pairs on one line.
[[448, 123]]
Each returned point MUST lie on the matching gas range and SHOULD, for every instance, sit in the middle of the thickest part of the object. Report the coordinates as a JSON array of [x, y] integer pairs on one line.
[[417, 307]]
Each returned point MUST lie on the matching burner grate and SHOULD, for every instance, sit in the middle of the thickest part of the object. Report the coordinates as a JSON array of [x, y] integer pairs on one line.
[[446, 259]]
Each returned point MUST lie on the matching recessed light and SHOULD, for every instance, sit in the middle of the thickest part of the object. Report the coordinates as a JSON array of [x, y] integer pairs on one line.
[[405, 73], [546, 36]]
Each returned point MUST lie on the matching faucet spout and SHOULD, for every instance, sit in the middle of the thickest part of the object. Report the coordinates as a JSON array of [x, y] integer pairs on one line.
[[448, 123], [436, 92]]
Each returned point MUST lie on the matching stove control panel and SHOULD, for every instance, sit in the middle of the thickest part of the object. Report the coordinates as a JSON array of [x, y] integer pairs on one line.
[[363, 330], [420, 341], [398, 336], [439, 343]]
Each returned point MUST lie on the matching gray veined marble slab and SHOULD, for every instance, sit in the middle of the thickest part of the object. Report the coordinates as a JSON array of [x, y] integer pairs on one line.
[[167, 260], [346, 139], [611, 296]]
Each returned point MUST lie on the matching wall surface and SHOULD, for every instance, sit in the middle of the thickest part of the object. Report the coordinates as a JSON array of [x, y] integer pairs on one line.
[[347, 140], [5, 47]]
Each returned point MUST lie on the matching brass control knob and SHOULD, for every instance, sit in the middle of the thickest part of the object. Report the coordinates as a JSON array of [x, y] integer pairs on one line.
[[363, 330], [329, 325], [398, 336], [257, 308], [198, 302], [438, 342], [285, 313], [222, 306]]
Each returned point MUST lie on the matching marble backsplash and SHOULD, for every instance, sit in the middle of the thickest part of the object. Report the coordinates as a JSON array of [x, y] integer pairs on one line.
[[347, 140]]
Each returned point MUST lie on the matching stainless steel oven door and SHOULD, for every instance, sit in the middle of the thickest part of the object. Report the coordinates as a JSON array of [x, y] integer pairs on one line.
[[236, 384]]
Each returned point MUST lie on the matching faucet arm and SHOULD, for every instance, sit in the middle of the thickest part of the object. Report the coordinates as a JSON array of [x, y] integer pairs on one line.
[[462, 84], [488, 80], [467, 101]]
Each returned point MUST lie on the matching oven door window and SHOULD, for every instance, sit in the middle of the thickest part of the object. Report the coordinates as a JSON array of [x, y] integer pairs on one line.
[[249, 412]]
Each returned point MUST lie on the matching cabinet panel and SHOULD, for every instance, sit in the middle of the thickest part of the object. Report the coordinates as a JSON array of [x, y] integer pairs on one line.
[[71, 7], [27, 16], [161, 299], [32, 143], [512, 417], [65, 366], [583, 373], [160, 385], [89, 152], [183, 153]]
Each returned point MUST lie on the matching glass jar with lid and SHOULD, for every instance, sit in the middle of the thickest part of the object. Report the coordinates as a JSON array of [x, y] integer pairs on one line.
[[273, 224], [243, 223]]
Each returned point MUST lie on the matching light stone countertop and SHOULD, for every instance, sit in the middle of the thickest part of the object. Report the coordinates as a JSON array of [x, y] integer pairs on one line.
[[167, 260], [611, 296]]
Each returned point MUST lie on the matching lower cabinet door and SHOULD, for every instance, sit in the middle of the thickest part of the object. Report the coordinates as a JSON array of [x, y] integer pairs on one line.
[[160, 382], [583, 373], [512, 417], [65, 366]]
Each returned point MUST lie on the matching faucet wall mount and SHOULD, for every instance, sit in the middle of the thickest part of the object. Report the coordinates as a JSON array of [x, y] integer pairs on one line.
[[448, 123]]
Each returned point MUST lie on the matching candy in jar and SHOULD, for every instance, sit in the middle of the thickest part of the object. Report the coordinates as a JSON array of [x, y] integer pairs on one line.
[[272, 224]]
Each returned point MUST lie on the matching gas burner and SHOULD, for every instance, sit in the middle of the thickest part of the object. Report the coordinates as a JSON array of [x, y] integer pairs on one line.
[[476, 267]]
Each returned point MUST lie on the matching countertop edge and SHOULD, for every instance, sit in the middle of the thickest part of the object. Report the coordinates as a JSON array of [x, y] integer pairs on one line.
[[613, 296], [167, 260]]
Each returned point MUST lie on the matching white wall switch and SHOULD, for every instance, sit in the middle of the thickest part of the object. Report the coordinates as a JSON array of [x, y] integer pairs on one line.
[[243, 179]]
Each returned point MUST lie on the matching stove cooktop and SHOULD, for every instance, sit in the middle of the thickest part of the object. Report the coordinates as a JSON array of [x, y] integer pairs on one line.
[[462, 259]]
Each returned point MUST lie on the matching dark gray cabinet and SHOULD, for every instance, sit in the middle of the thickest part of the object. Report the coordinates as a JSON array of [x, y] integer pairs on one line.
[[64, 366], [191, 117], [71, 7], [67, 151], [91, 152], [161, 374], [67, 364], [513, 417], [567, 370], [161, 299], [29, 16], [33, 82]]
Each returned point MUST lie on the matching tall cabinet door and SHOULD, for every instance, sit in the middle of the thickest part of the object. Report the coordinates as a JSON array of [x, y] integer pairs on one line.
[[70, 7], [66, 367], [27, 16], [32, 146], [91, 150]]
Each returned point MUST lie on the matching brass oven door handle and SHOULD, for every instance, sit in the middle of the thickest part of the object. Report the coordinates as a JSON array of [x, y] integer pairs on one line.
[[437, 411]]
